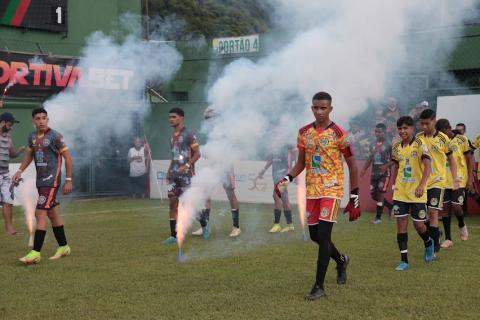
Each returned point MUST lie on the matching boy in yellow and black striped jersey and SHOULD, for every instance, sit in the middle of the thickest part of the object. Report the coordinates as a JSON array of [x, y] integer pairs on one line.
[[454, 199], [440, 152], [411, 170]]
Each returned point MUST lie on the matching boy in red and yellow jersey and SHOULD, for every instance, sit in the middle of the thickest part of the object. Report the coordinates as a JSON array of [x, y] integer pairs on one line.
[[322, 145]]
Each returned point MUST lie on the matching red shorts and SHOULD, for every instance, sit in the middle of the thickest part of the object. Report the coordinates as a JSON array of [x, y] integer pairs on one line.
[[325, 209], [47, 198]]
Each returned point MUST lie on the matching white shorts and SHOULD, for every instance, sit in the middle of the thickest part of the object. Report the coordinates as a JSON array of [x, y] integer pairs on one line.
[[5, 184]]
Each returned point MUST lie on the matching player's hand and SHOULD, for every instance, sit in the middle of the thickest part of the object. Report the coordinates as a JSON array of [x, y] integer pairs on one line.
[[67, 187], [16, 177], [353, 206], [419, 191], [470, 187], [282, 185], [183, 169]]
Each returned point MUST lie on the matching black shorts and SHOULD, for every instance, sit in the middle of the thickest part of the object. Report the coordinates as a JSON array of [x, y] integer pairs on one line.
[[178, 185], [47, 198], [454, 196], [435, 198], [379, 184], [418, 211]]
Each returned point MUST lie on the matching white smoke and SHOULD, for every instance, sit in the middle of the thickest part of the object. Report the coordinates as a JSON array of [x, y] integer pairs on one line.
[[115, 72], [348, 48]]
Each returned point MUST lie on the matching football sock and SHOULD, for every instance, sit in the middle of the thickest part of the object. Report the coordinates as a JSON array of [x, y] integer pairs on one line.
[[446, 227], [59, 233], [435, 235], [324, 251], [236, 218], [335, 254], [461, 220], [38, 239], [288, 216], [402, 239], [277, 213], [173, 226], [427, 241], [206, 214], [379, 211]]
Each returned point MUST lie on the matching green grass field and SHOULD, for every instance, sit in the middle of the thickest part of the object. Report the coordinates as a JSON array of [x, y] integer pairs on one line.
[[120, 270]]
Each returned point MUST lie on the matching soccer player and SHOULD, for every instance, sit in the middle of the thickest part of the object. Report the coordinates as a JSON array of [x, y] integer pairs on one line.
[[228, 184], [411, 171], [281, 162], [380, 155], [47, 148], [321, 146], [185, 152], [440, 152], [453, 200], [7, 151]]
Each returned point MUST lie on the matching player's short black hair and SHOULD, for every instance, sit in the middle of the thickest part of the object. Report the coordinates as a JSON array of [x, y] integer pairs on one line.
[[461, 124], [38, 110], [407, 120], [381, 126], [455, 131], [442, 124], [427, 114], [178, 111], [322, 96]]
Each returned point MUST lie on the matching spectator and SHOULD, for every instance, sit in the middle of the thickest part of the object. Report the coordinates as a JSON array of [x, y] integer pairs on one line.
[[138, 168]]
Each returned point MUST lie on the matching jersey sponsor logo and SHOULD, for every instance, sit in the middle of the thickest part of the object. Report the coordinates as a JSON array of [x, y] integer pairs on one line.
[[48, 178], [422, 214], [330, 184]]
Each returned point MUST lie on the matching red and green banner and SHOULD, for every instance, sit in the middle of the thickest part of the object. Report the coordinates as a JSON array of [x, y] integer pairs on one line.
[[15, 12]]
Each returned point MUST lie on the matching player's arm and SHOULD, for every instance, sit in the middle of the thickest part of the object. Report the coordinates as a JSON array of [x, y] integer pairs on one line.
[[427, 168], [265, 168], [394, 170], [13, 153], [470, 177], [27, 159], [453, 168], [67, 186], [353, 206], [353, 172]]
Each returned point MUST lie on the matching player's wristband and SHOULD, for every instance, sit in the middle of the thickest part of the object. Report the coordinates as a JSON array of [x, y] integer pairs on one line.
[[20, 170], [68, 179], [289, 177], [187, 165]]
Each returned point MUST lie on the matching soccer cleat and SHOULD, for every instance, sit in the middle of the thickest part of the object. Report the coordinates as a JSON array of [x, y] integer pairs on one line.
[[402, 266], [342, 270], [235, 232], [429, 254], [170, 240], [276, 228], [198, 232], [315, 293], [288, 227], [206, 231], [464, 233], [61, 252], [31, 258], [377, 221], [447, 244]]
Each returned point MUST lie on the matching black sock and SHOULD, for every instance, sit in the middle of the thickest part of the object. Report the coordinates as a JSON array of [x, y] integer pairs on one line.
[[402, 239], [206, 214], [173, 227], [387, 204], [379, 212], [427, 241], [461, 220], [446, 227], [38, 239], [277, 213], [60, 235], [236, 218], [435, 235], [288, 216], [335, 254], [324, 251]]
